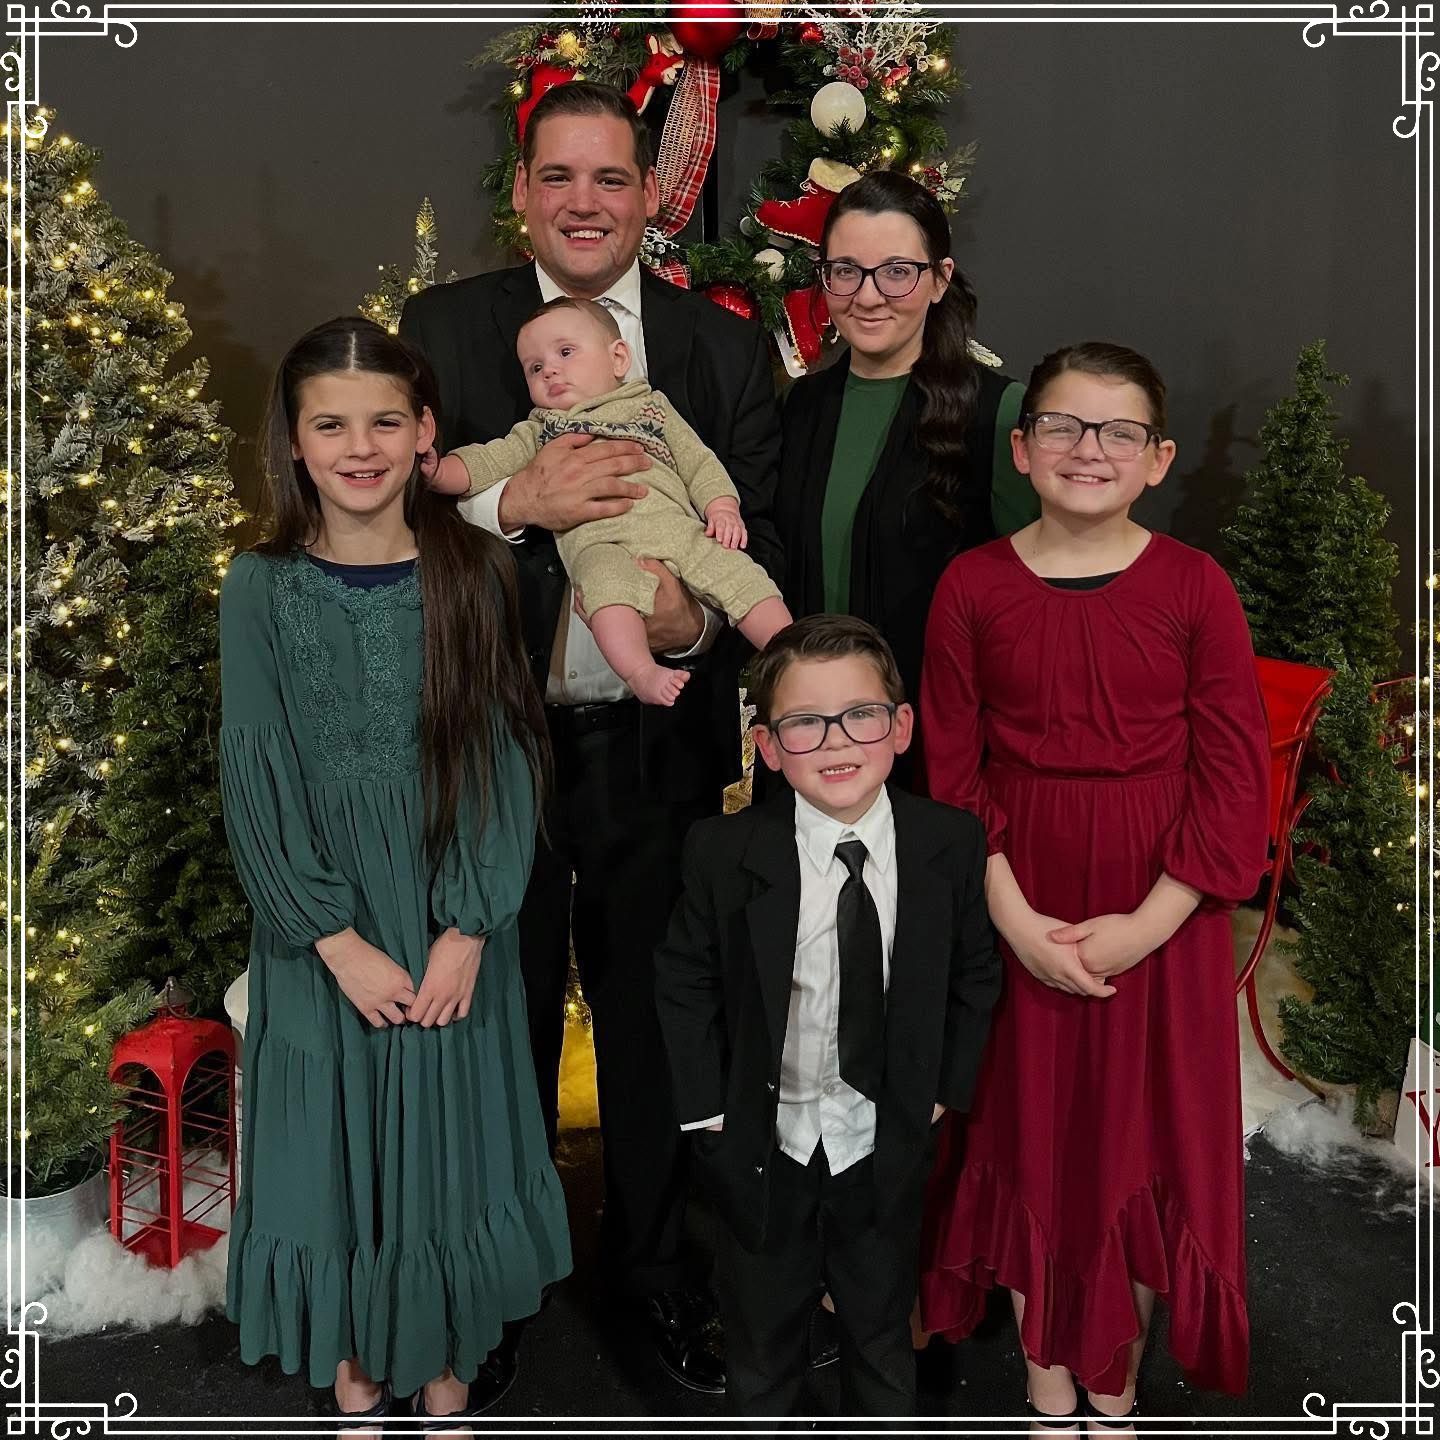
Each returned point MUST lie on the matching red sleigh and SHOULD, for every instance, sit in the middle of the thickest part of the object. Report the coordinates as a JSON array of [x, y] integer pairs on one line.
[[1293, 697]]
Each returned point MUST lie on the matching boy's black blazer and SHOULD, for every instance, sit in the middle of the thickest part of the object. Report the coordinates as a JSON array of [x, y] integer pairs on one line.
[[723, 978], [714, 368]]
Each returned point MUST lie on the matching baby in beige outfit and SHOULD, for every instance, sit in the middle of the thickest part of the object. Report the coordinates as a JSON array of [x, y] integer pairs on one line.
[[573, 357]]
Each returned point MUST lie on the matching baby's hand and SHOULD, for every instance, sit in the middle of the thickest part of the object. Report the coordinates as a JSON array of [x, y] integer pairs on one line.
[[724, 525], [448, 476]]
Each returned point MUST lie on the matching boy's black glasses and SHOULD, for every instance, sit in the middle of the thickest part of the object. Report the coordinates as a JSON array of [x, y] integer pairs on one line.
[[864, 724]]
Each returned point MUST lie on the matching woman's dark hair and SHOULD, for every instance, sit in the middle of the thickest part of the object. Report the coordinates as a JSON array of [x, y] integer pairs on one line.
[[947, 374], [1108, 362], [476, 677]]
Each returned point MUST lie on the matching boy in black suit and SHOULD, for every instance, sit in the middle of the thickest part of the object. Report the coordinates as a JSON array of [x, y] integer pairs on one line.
[[824, 991]]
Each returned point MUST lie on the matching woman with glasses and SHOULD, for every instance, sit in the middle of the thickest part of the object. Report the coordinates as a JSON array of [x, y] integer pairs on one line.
[[897, 457], [1089, 691]]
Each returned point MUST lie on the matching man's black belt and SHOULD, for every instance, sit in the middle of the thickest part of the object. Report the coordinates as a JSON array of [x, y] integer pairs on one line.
[[587, 719]]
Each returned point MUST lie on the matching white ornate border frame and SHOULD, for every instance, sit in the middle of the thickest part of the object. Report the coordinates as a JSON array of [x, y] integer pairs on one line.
[[1408, 28]]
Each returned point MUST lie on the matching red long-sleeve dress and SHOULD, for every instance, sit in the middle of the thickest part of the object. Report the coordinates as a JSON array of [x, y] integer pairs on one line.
[[1105, 736]]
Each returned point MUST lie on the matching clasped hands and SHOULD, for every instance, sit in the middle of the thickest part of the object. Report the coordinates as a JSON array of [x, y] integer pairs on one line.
[[1081, 959], [382, 991]]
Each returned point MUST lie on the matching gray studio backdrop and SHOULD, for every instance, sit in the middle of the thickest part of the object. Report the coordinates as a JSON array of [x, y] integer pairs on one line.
[[1215, 195]]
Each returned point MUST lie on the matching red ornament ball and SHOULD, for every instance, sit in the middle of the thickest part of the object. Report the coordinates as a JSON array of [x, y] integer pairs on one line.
[[707, 31], [811, 33], [735, 298]]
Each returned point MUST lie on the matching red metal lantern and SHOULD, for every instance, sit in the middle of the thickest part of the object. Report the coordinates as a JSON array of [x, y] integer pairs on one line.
[[165, 1174]]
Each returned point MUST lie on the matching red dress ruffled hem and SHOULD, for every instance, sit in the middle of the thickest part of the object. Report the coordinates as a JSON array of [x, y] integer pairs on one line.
[[1083, 1321]]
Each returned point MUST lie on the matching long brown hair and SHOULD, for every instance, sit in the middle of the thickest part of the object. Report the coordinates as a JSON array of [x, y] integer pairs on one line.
[[476, 678], [947, 375]]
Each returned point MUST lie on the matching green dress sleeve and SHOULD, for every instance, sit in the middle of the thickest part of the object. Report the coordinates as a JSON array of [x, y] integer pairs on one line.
[[481, 881], [293, 890], [1013, 501]]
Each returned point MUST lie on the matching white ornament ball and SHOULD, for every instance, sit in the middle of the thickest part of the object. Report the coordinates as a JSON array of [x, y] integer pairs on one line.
[[772, 260], [836, 103]]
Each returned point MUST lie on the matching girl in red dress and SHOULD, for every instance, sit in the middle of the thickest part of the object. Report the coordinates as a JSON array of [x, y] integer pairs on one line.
[[1089, 691]]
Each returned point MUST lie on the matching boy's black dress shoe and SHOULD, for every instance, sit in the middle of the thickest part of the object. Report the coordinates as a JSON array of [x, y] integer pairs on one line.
[[824, 1338], [688, 1339]]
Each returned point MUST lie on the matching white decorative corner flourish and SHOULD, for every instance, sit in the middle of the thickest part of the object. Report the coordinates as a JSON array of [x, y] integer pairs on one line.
[[1410, 24]]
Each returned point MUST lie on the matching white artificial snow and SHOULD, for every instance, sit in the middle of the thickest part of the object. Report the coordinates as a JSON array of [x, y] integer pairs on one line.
[[103, 1284], [89, 1286], [1324, 1138]]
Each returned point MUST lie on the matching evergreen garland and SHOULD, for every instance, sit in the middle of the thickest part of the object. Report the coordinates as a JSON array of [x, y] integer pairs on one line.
[[902, 130]]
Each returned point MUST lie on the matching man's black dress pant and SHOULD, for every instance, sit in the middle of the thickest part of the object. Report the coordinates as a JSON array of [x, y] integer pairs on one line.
[[620, 838]]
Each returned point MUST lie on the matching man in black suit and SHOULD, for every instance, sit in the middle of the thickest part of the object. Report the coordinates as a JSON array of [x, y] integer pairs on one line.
[[825, 990], [630, 780]]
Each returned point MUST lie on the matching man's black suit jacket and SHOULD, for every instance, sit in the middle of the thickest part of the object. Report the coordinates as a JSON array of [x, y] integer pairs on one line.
[[723, 979], [714, 368]]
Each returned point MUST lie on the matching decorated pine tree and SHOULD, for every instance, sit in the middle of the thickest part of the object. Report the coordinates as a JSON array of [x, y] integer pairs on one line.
[[1315, 572], [384, 303], [163, 872], [126, 504]]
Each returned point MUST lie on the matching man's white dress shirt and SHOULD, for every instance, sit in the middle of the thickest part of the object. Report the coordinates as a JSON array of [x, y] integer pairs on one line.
[[583, 676], [816, 1105]]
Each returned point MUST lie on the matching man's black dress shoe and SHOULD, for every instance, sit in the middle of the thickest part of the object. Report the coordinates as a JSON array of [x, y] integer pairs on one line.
[[688, 1339], [497, 1370], [824, 1338]]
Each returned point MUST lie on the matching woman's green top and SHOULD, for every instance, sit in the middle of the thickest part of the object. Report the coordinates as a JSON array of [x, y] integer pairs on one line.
[[398, 1202], [869, 407], [866, 414]]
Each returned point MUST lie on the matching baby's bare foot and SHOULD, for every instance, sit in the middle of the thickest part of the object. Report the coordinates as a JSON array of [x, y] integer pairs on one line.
[[657, 685]]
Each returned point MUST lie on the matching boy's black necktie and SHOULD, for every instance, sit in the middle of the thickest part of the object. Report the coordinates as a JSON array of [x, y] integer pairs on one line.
[[862, 977]]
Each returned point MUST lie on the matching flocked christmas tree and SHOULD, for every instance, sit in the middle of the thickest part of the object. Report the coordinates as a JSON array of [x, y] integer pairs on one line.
[[127, 501], [1315, 573]]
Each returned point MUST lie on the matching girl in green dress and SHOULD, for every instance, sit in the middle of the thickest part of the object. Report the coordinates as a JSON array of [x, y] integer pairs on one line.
[[381, 751]]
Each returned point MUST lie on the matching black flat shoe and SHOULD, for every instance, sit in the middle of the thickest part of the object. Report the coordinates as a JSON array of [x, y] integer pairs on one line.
[[430, 1424], [1052, 1422], [689, 1342], [371, 1419], [824, 1338], [1112, 1422]]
